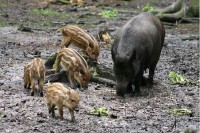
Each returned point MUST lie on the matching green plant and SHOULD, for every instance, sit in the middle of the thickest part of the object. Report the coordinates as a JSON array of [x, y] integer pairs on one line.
[[177, 78], [179, 112], [2, 23], [65, 1], [147, 8], [109, 13], [45, 12], [193, 9], [99, 111]]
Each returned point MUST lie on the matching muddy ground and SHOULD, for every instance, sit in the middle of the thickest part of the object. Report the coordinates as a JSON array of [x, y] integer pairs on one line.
[[22, 113]]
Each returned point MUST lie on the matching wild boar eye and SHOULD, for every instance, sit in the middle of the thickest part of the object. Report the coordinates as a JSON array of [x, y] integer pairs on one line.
[[79, 74], [72, 100], [126, 74], [84, 79]]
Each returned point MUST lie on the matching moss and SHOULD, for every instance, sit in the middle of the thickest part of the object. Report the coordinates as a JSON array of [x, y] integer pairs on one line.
[[147, 8], [46, 12], [193, 10], [109, 13], [2, 23]]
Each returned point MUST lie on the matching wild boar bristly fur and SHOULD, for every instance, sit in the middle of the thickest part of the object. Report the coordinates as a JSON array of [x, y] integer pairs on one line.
[[75, 35], [34, 70], [137, 46], [58, 95], [75, 65]]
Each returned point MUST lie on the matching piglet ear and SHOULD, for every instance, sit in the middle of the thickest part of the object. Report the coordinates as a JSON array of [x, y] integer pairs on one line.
[[77, 90], [91, 46], [69, 92], [65, 96]]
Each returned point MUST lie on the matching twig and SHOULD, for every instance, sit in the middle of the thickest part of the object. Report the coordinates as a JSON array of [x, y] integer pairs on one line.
[[174, 125], [103, 81]]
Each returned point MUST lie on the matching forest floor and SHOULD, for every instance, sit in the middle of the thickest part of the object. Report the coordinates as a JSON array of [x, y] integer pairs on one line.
[[22, 113]]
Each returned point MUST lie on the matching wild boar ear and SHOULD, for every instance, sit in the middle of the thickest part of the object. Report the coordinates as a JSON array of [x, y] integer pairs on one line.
[[91, 46], [134, 54], [69, 92], [64, 96], [77, 90], [81, 71]]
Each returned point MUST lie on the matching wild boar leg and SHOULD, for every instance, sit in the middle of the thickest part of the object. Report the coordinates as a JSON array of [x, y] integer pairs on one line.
[[72, 115], [58, 66], [41, 83], [61, 112], [27, 82], [71, 78], [51, 109], [151, 74], [137, 83], [144, 80], [32, 84], [129, 88], [66, 41], [137, 87], [27, 85]]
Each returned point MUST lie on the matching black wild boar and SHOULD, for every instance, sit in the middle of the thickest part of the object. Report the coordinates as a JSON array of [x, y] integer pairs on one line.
[[137, 46]]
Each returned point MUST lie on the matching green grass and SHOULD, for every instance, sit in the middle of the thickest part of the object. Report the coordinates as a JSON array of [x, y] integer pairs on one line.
[[179, 112], [176, 78], [2, 23], [147, 8], [109, 13], [46, 12], [45, 17], [2, 4]]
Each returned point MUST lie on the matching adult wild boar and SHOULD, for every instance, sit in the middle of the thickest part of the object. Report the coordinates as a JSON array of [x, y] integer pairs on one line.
[[137, 46]]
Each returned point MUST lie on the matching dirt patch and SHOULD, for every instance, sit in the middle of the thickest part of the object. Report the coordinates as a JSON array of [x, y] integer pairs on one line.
[[20, 112]]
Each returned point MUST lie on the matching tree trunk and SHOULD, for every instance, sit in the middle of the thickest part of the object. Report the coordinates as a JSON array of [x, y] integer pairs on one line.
[[172, 17], [179, 10], [175, 7]]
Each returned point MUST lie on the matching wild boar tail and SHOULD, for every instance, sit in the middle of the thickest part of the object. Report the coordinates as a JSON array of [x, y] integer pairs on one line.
[[60, 29]]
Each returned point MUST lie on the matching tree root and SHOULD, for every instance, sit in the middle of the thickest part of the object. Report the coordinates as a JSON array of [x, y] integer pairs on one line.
[[101, 73]]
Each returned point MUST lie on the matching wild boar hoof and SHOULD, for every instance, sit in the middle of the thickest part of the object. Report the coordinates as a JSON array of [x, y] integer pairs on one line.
[[149, 85], [144, 81], [73, 120], [32, 93], [120, 94], [41, 94], [81, 89], [129, 91], [136, 93], [53, 115]]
